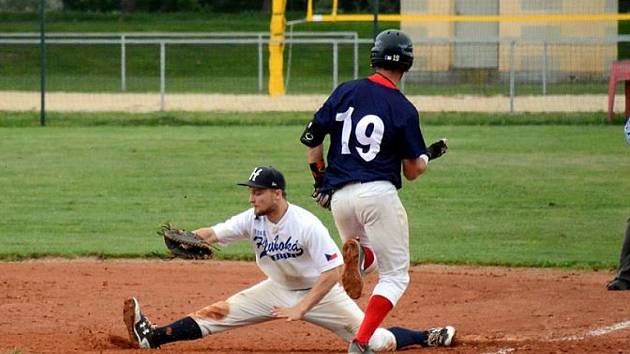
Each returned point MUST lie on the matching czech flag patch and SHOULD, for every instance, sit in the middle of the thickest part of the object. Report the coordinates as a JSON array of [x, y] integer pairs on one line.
[[330, 257]]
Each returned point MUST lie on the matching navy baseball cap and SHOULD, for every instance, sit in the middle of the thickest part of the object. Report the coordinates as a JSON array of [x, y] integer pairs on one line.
[[265, 177]]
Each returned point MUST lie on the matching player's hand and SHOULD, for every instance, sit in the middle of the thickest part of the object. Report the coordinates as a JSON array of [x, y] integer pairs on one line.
[[322, 198], [437, 149], [290, 313]]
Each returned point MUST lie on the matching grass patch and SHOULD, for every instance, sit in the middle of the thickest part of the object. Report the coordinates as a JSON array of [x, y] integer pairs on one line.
[[168, 22], [518, 195], [54, 119]]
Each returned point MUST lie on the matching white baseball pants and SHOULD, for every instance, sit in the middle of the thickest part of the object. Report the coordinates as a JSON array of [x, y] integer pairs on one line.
[[336, 312], [373, 212]]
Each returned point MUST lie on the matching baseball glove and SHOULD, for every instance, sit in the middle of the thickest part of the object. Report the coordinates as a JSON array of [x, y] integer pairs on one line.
[[185, 244], [437, 149]]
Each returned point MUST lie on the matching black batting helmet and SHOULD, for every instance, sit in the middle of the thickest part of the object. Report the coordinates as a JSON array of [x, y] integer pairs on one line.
[[392, 50]]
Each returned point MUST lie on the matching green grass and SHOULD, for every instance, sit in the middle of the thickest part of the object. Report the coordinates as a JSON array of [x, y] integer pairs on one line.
[[189, 68], [168, 22], [54, 119], [506, 193]]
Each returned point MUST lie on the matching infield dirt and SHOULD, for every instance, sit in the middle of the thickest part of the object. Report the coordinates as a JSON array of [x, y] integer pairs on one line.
[[62, 306]]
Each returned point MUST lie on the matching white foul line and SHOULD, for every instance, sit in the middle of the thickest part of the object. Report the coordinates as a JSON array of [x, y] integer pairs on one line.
[[592, 333], [596, 332]]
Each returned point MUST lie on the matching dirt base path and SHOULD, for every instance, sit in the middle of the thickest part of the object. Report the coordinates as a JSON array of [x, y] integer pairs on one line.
[[57, 306], [132, 102]]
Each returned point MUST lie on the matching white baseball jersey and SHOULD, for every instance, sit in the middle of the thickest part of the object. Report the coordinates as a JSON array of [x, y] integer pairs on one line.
[[293, 253]]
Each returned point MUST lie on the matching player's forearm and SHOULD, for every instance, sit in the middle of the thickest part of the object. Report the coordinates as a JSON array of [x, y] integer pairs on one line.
[[323, 285], [315, 154], [207, 234], [412, 169]]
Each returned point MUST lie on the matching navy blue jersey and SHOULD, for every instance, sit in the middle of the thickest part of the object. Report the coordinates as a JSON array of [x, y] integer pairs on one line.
[[372, 128]]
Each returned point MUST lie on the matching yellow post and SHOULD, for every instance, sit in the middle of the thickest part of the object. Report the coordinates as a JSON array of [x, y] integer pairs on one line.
[[309, 11], [276, 48]]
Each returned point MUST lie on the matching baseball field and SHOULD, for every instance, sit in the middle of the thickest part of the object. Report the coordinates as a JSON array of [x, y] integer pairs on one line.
[[514, 233]]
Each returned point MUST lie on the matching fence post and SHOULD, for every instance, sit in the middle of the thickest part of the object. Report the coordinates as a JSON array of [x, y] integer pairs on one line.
[[162, 74], [544, 70], [123, 64], [42, 63], [335, 64], [260, 63], [355, 73], [512, 45]]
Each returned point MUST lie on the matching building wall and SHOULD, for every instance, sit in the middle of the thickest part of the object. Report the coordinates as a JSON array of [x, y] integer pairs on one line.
[[429, 57], [589, 59]]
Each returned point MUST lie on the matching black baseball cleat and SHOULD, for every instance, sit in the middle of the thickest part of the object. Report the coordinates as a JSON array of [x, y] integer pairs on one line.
[[138, 326], [441, 336], [618, 284]]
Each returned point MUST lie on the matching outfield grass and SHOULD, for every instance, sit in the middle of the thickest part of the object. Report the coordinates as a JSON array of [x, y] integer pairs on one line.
[[189, 68], [55, 119], [530, 195]]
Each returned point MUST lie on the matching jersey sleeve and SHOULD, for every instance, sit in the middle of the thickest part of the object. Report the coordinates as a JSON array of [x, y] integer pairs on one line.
[[235, 228], [412, 142], [322, 249], [325, 116]]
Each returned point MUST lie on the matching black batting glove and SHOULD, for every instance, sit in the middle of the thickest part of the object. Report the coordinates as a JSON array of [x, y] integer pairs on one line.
[[322, 198], [437, 149], [317, 170]]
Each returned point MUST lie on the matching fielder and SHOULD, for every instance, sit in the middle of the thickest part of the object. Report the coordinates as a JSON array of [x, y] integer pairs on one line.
[[302, 263], [373, 130]]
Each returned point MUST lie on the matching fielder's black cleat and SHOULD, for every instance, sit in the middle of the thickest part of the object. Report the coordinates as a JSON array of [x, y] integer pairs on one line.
[[138, 326], [618, 284]]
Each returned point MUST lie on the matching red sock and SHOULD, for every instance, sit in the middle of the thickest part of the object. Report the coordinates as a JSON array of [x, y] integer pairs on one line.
[[378, 307], [369, 257]]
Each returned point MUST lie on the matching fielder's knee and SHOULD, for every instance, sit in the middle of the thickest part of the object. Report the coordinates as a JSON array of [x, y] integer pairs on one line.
[[209, 315]]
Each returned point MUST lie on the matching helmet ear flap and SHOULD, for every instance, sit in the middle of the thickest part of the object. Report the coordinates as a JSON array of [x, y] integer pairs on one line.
[[392, 50]]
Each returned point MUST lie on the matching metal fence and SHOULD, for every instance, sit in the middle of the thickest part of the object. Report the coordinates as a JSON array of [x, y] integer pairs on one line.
[[232, 50], [315, 62]]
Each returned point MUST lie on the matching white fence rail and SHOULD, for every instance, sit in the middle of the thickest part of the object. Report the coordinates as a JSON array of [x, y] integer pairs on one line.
[[543, 68]]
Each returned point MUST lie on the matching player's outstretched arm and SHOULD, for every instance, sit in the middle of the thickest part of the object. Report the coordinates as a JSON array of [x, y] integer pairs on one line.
[[323, 285], [207, 234]]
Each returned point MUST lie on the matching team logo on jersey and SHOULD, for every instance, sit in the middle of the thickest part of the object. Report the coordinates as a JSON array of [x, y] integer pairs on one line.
[[276, 249], [330, 257]]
